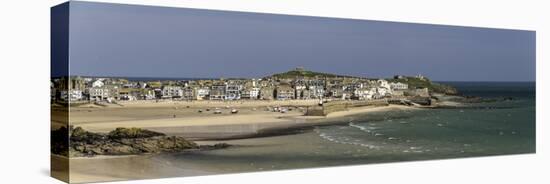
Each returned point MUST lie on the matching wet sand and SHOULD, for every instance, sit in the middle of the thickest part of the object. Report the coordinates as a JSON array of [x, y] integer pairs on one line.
[[116, 168]]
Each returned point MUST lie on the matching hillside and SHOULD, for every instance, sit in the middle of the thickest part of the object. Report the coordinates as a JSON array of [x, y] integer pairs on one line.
[[298, 72], [413, 82]]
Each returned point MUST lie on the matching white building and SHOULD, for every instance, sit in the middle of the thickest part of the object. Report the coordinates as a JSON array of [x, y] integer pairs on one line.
[[399, 86], [202, 93], [233, 91], [382, 91], [251, 93], [63, 96], [127, 96], [172, 92], [189, 93], [149, 95], [364, 93], [317, 91], [217, 92], [98, 83], [75, 95], [143, 85], [383, 83], [102, 93], [420, 76]]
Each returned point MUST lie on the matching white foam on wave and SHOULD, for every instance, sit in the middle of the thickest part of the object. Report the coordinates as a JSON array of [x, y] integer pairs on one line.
[[415, 149], [343, 140], [359, 127], [367, 129]]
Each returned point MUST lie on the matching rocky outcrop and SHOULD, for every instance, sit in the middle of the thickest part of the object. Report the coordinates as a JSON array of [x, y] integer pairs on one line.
[[215, 146], [59, 141], [476, 99], [445, 89], [426, 101], [124, 141], [132, 133]]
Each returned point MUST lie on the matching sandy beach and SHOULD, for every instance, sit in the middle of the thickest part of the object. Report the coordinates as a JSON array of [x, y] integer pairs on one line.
[[253, 120], [133, 167], [184, 118]]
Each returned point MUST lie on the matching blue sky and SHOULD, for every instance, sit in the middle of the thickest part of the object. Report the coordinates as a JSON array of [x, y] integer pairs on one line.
[[145, 41]]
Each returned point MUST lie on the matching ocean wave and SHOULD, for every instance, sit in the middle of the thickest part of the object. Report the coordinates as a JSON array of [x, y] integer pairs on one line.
[[343, 140], [367, 129]]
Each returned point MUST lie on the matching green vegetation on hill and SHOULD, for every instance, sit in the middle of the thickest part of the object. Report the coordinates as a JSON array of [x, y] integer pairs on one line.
[[304, 73], [415, 83]]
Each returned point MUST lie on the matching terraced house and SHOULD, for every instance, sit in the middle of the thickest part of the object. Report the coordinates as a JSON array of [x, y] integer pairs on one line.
[[292, 85]]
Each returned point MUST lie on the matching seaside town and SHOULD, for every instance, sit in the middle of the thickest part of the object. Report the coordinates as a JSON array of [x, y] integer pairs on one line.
[[297, 84]]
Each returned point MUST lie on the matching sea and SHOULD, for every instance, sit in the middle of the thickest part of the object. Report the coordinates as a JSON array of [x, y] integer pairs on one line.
[[500, 127]]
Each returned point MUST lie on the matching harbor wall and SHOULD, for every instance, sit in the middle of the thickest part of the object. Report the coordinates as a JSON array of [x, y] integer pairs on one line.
[[336, 106]]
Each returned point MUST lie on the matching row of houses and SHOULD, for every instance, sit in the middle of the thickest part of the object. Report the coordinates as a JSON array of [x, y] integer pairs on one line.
[[107, 89]]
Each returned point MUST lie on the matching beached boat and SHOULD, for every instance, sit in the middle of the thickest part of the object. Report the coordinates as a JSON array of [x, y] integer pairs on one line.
[[234, 111]]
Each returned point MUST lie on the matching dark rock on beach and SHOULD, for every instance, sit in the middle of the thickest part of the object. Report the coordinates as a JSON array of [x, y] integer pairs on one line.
[[59, 140], [129, 133], [215, 146], [121, 141]]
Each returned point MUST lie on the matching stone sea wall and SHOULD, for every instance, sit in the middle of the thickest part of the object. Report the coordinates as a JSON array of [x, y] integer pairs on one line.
[[336, 106]]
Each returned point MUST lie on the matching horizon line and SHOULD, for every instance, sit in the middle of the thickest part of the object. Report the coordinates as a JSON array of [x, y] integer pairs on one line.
[[211, 78]]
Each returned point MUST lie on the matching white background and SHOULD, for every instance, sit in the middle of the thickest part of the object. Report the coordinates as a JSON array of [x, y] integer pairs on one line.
[[24, 92]]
